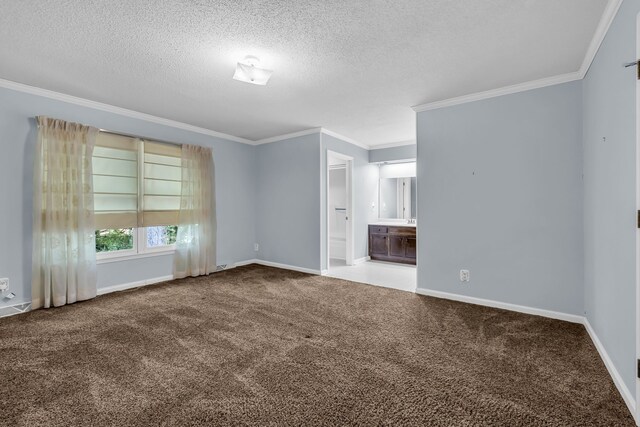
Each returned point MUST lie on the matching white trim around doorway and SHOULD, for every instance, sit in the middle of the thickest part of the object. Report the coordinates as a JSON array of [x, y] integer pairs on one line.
[[349, 215]]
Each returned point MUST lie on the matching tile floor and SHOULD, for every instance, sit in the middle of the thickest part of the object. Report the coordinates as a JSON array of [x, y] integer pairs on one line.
[[378, 273]]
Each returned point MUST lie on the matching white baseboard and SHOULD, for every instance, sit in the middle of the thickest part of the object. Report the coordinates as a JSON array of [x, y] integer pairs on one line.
[[289, 267], [573, 318], [247, 262], [11, 310], [24, 307], [361, 260], [278, 265], [131, 285], [615, 375]]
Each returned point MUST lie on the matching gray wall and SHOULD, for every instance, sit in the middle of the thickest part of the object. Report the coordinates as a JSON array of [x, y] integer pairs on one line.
[[499, 193], [291, 199], [414, 197], [404, 152], [275, 188], [235, 178], [610, 193], [365, 180], [288, 201]]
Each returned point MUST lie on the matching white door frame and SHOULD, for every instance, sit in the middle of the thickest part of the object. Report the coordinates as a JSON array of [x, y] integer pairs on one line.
[[349, 214], [403, 203], [637, 229]]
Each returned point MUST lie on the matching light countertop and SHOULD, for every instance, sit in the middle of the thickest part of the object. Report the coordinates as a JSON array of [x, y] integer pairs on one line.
[[393, 224]]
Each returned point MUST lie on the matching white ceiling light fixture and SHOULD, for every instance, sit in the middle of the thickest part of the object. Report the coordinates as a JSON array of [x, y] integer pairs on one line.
[[248, 71]]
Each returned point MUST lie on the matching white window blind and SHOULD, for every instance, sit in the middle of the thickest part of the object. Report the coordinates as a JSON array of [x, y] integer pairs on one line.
[[162, 184], [115, 181], [137, 183]]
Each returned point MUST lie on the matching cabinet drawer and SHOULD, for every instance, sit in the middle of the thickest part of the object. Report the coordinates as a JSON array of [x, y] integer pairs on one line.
[[378, 229], [410, 231]]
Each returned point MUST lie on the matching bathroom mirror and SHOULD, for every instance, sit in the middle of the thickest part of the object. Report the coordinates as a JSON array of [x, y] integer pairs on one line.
[[397, 191]]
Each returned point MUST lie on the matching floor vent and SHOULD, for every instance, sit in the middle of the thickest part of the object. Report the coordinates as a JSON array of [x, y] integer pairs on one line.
[[221, 267], [15, 309]]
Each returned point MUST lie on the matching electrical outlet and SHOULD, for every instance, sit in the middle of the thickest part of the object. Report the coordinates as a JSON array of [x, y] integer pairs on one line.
[[4, 284], [256, 247], [464, 275]]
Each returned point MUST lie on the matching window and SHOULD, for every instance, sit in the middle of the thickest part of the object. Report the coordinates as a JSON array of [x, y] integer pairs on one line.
[[161, 236], [115, 239], [137, 186]]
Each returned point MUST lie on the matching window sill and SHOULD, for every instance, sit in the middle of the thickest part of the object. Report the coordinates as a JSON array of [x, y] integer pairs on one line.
[[128, 257]]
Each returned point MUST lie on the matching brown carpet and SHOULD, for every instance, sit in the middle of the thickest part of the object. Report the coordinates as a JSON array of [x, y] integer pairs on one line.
[[263, 346]]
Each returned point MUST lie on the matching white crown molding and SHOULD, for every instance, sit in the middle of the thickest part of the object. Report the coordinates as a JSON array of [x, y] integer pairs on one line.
[[601, 31], [606, 20], [608, 16], [311, 132], [394, 144], [345, 139], [287, 136], [32, 90], [493, 93], [58, 96]]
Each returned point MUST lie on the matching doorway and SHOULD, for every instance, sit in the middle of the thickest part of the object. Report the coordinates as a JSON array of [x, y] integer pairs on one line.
[[339, 225], [377, 208]]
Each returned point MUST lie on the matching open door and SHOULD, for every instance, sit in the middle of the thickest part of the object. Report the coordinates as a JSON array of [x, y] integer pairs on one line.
[[337, 163]]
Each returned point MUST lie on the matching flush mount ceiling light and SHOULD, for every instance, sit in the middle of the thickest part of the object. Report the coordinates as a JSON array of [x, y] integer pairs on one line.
[[248, 71]]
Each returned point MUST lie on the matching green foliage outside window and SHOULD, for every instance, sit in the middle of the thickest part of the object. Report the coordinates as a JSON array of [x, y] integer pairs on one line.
[[118, 239], [114, 239], [172, 234]]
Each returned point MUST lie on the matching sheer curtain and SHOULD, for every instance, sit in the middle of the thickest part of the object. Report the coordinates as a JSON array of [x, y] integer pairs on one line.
[[196, 240], [64, 251]]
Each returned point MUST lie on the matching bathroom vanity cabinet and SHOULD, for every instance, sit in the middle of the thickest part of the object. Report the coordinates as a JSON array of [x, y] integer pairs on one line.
[[392, 243]]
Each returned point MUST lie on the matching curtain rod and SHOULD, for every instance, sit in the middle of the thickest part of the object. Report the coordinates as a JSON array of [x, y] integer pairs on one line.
[[128, 135]]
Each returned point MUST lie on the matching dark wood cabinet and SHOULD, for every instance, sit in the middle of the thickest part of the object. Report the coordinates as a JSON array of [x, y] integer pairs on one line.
[[378, 244], [410, 248], [397, 244]]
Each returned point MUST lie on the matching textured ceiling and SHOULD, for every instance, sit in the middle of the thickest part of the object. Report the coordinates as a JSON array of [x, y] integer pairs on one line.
[[354, 67]]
